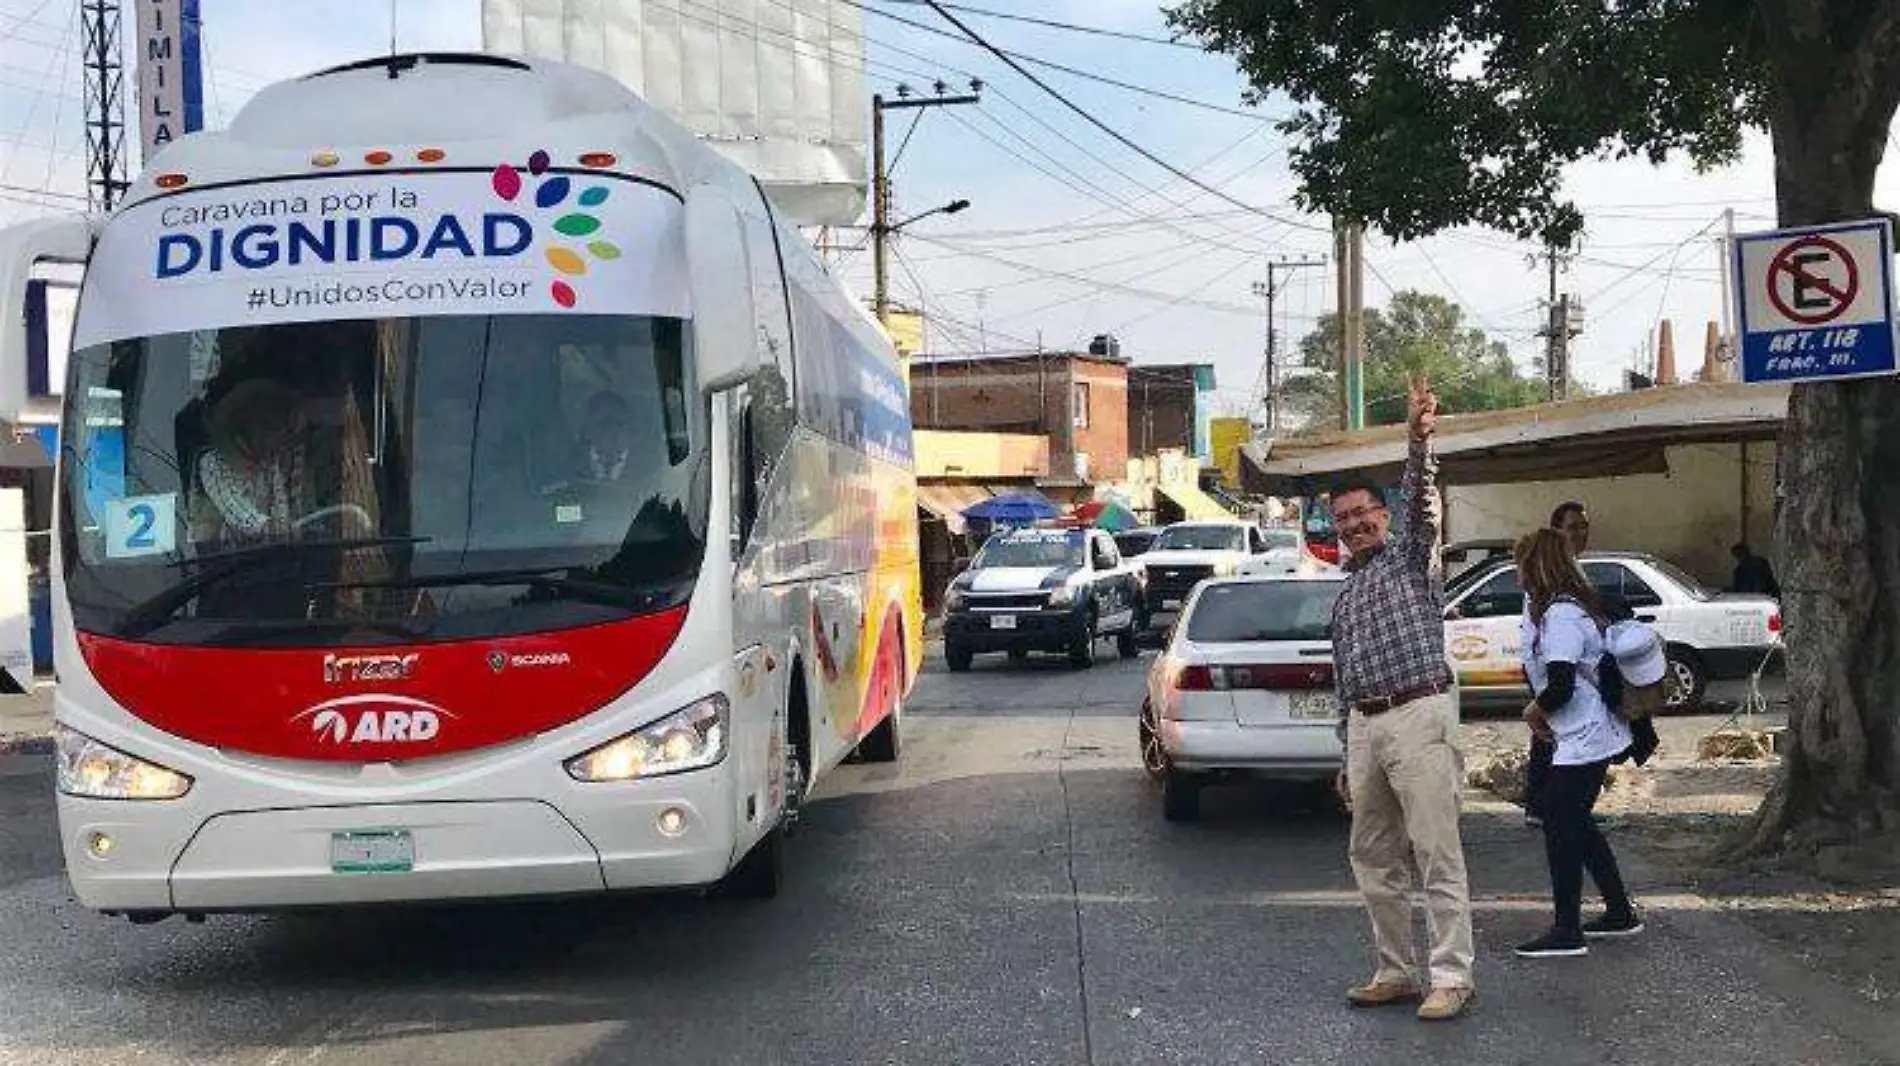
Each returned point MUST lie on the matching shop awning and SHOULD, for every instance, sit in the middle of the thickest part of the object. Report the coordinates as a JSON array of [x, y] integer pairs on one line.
[[1598, 436], [948, 501], [1193, 502]]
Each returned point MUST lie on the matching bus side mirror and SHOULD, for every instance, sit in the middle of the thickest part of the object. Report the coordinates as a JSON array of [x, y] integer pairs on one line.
[[65, 239], [719, 270]]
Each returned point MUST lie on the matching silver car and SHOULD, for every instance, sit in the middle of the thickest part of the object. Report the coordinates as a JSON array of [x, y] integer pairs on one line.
[[1244, 686]]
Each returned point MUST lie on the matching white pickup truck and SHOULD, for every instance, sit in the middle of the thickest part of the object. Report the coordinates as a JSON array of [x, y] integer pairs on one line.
[[1188, 553]]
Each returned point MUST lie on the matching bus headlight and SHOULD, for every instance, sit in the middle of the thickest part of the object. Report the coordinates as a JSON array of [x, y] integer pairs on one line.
[[689, 739], [96, 771]]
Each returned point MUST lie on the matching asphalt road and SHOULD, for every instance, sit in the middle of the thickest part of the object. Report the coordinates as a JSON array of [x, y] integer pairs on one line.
[[1009, 894]]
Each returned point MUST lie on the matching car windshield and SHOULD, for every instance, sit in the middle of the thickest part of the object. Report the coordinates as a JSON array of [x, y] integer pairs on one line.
[[1254, 611], [1041, 549], [1281, 539], [1202, 538], [444, 477]]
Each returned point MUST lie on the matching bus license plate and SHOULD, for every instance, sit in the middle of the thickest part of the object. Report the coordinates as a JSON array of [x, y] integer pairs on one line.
[[1315, 705], [1003, 621], [372, 851]]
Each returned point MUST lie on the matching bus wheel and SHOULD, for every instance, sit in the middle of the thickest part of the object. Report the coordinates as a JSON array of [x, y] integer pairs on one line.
[[761, 873]]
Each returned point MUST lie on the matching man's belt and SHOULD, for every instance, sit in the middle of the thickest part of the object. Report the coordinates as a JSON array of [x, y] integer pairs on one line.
[[1382, 704]]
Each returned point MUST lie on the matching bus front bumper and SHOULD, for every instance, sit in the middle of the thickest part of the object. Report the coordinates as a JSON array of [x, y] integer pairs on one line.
[[664, 833]]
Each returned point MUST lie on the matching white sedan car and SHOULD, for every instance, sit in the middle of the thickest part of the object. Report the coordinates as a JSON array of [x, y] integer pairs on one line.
[[1244, 687], [1707, 634]]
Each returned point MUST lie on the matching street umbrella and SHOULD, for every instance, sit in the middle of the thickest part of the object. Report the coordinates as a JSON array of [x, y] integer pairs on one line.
[[1012, 509], [1106, 514]]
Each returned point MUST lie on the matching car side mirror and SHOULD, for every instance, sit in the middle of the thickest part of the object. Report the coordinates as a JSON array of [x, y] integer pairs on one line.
[[719, 270]]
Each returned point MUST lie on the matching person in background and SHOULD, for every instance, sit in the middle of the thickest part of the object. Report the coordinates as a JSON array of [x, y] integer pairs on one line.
[[1573, 522], [1753, 574], [1561, 637], [1399, 717]]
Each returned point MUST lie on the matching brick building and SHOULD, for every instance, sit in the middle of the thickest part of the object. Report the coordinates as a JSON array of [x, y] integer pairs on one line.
[[1079, 401], [1168, 408]]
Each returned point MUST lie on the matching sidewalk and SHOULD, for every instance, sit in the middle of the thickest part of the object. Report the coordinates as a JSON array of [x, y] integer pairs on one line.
[[26, 722]]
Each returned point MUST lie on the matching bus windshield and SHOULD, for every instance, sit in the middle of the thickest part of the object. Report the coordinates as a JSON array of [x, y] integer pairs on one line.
[[377, 480]]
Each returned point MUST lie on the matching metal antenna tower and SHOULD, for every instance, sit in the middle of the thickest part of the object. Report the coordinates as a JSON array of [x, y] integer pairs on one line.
[[105, 104]]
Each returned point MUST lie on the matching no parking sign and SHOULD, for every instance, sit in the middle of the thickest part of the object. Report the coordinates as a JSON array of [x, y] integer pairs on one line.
[[1816, 302]]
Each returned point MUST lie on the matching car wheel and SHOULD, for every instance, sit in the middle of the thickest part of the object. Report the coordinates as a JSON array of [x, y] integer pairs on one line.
[[1082, 646], [1180, 797], [1125, 644], [1154, 757], [1685, 681], [957, 657]]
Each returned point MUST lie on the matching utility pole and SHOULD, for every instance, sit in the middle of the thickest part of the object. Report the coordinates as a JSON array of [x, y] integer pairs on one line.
[[881, 227], [1271, 290], [1349, 255], [1725, 346], [1561, 316], [105, 104]]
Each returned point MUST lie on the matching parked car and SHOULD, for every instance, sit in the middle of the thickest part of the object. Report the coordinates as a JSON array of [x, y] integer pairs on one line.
[[1707, 635], [1050, 590], [1244, 687], [1187, 553]]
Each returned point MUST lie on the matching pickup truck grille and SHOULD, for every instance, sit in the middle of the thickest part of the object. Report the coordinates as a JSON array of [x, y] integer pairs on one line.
[[1006, 601], [1175, 582]]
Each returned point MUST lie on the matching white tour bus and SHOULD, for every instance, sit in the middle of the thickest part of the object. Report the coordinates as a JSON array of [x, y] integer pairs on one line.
[[468, 489]]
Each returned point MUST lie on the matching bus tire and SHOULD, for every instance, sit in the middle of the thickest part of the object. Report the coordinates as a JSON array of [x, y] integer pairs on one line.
[[761, 873]]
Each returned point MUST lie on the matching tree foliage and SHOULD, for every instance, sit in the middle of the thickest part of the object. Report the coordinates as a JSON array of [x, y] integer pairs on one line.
[[1417, 115], [1417, 333]]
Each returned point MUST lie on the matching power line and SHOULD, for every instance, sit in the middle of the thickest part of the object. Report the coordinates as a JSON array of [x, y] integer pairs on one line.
[[1098, 31], [19, 24], [1144, 90], [1123, 139]]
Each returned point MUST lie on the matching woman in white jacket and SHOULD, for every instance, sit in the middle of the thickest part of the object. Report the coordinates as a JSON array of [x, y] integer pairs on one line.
[[1562, 642]]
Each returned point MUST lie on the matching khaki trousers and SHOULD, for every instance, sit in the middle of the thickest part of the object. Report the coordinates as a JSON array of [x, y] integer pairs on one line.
[[1407, 775]]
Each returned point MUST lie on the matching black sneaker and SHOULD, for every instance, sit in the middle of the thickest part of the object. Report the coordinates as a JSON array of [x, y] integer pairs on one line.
[[1614, 925], [1556, 944]]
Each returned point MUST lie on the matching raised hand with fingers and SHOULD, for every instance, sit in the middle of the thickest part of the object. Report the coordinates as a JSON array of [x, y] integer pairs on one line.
[[1421, 407]]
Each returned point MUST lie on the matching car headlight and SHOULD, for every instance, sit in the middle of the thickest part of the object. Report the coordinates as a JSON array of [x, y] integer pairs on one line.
[[1226, 568], [1062, 596], [953, 599], [689, 739], [98, 771]]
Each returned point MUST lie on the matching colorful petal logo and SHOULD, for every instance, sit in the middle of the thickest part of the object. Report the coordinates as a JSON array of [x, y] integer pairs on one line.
[[553, 193]]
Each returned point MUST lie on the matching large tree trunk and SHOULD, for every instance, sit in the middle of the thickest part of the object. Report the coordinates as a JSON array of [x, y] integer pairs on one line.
[[1836, 76]]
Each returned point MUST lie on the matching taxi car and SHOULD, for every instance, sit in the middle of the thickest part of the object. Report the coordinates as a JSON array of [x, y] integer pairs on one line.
[[1707, 635]]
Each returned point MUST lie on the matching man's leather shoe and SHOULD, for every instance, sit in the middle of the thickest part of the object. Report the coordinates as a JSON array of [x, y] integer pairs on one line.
[[1444, 1004], [1383, 994]]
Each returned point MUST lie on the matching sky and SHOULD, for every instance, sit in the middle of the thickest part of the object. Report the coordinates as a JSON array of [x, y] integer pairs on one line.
[[1069, 234]]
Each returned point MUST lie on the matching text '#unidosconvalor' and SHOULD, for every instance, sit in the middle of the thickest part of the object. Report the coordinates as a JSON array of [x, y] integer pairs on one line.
[[394, 290]]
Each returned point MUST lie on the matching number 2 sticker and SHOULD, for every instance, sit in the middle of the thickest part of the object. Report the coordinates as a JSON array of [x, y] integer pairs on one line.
[[141, 525]]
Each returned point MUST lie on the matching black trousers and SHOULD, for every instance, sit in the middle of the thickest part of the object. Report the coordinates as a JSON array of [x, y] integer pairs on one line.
[[1537, 775], [1573, 844]]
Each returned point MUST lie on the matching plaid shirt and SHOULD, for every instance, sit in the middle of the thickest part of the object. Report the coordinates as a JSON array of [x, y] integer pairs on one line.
[[1389, 620]]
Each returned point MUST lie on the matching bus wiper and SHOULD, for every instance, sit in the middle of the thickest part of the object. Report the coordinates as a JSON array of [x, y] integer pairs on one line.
[[159, 609], [556, 579]]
